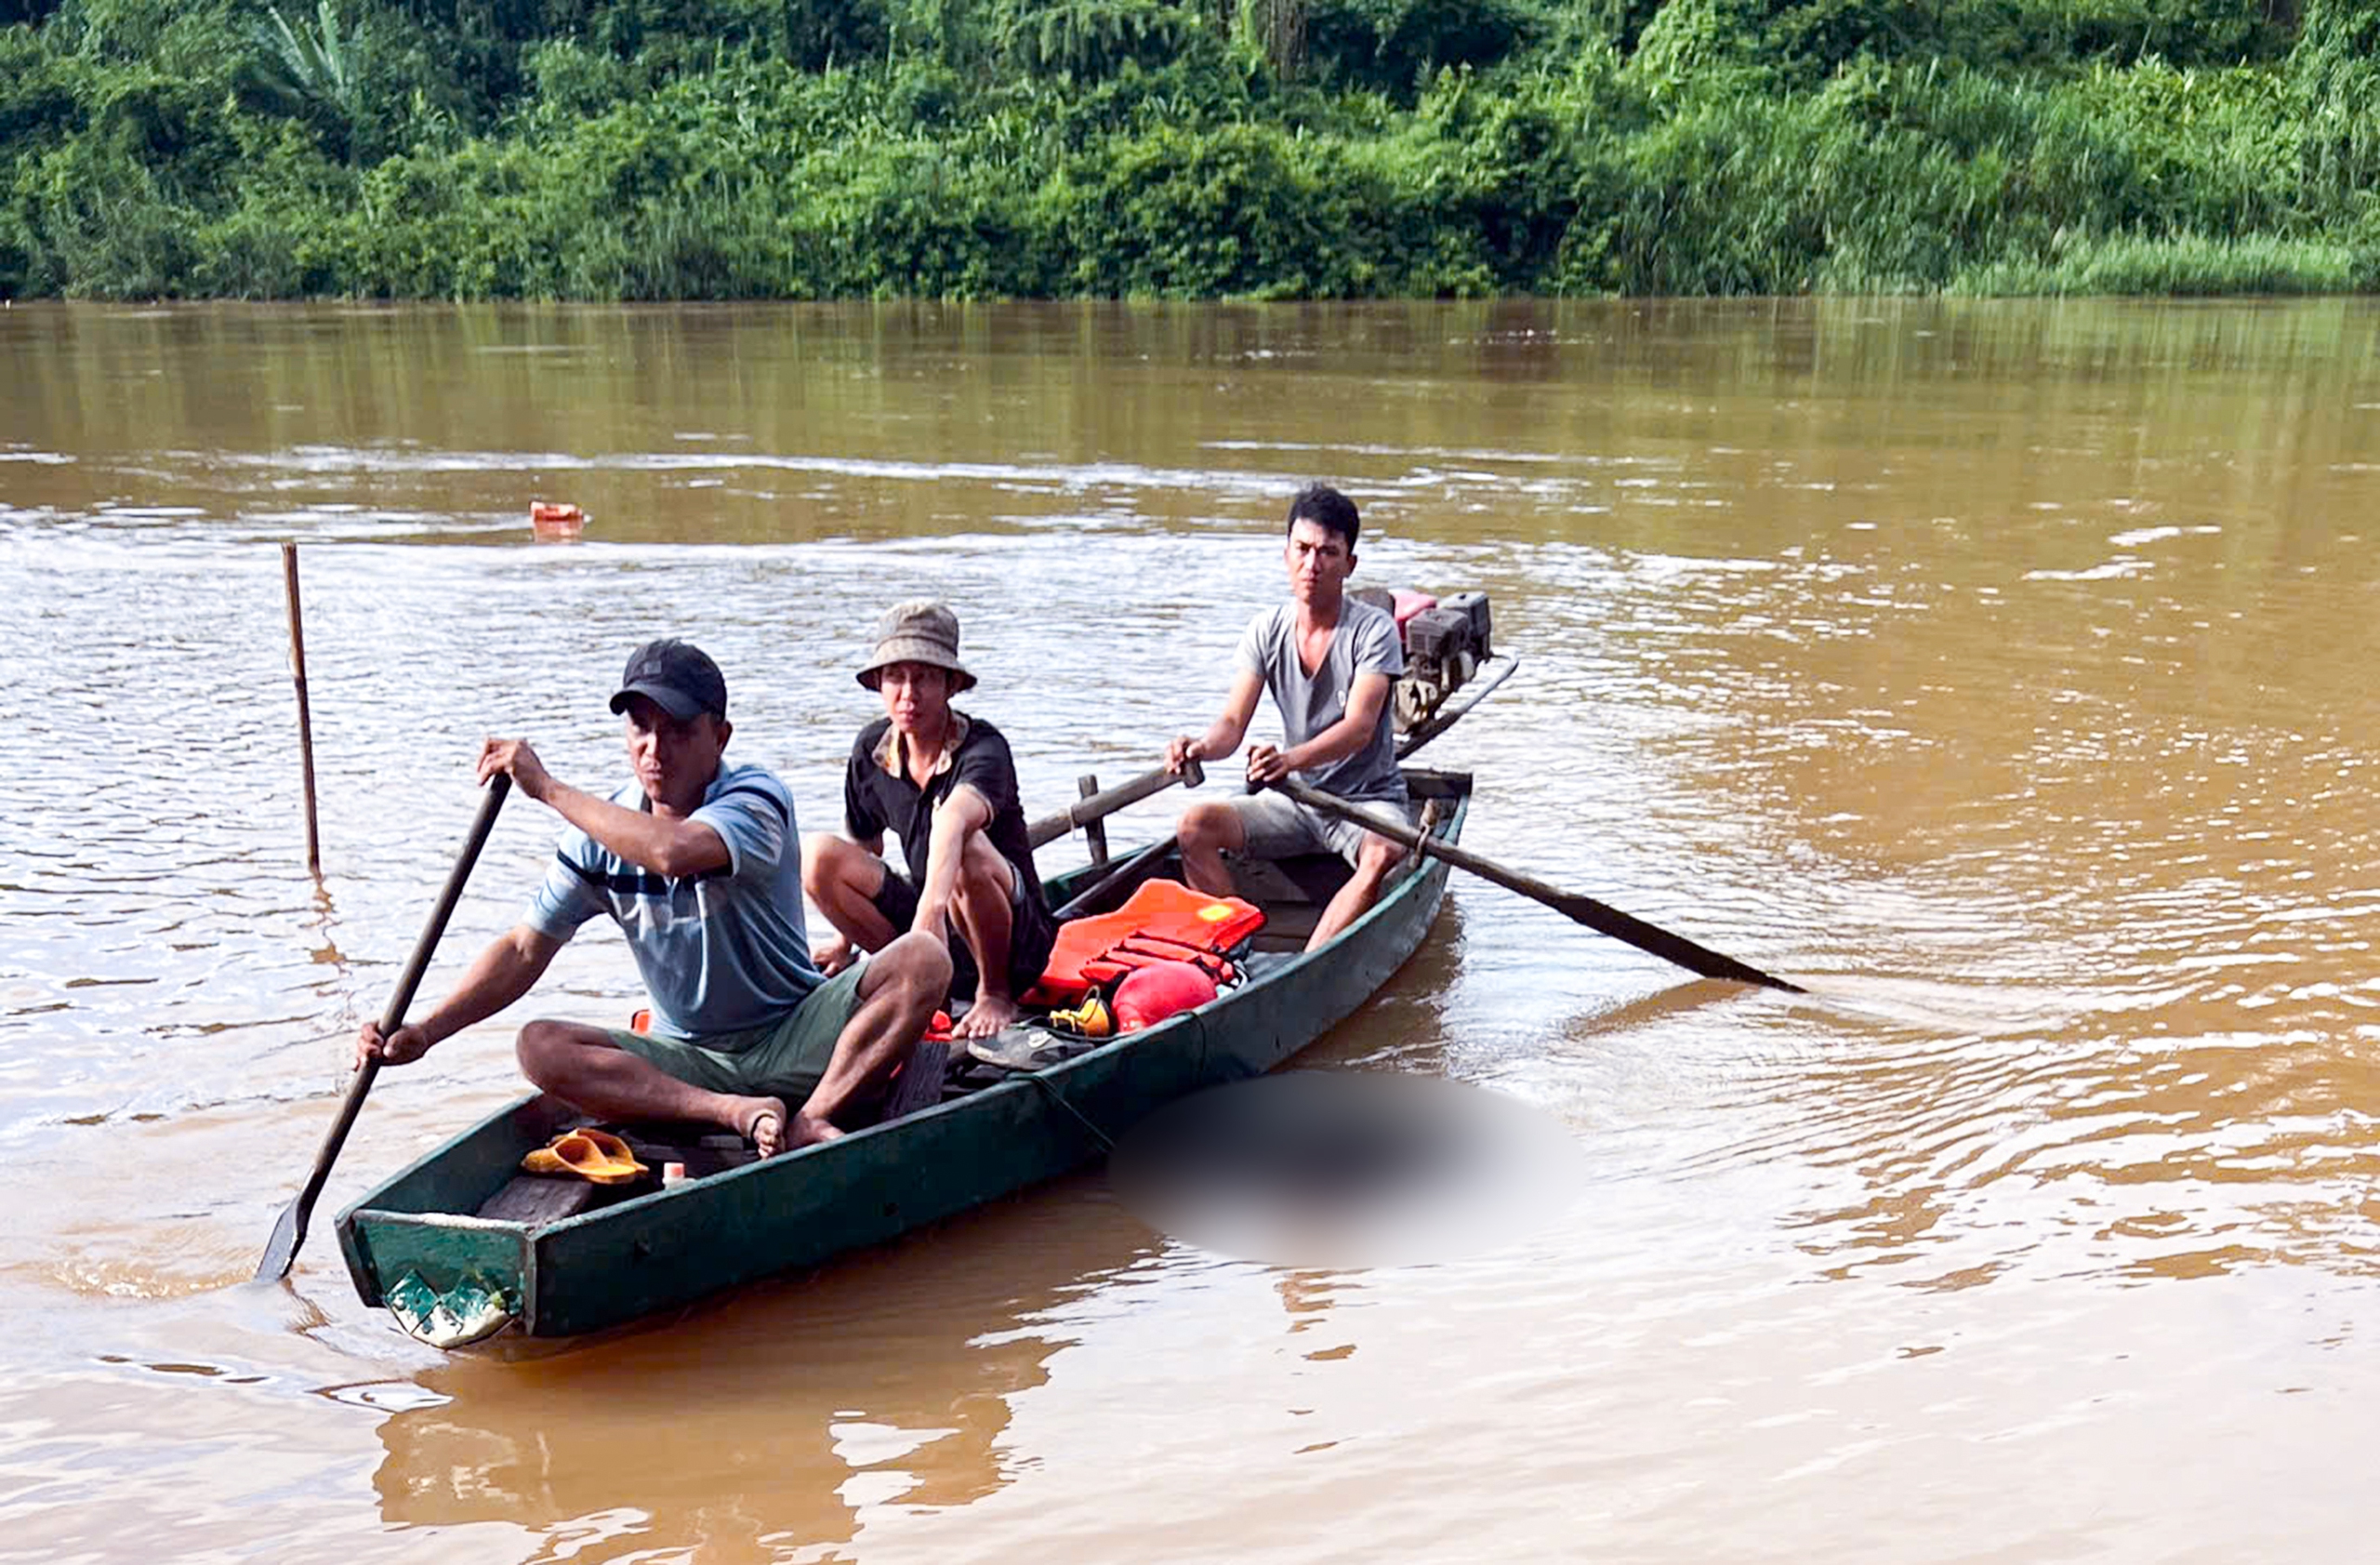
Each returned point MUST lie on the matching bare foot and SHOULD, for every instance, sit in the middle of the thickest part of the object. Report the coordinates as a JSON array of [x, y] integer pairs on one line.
[[987, 1015], [763, 1123], [808, 1130]]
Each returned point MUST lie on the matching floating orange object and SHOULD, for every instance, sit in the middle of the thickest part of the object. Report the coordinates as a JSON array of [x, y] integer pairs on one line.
[[550, 520]]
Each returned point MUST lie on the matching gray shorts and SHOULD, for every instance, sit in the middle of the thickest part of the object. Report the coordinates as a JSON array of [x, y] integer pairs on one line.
[[1278, 826]]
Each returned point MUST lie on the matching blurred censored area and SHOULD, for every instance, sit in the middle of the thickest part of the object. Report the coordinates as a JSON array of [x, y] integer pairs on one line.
[[1339, 1168]]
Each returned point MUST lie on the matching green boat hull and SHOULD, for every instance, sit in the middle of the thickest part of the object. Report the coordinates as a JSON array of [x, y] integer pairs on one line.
[[670, 1247]]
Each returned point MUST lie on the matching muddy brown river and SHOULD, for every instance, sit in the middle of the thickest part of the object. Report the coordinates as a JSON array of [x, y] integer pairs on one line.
[[2000, 671]]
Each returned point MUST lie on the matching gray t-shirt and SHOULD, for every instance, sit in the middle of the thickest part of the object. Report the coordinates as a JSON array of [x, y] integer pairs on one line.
[[719, 952], [1365, 642]]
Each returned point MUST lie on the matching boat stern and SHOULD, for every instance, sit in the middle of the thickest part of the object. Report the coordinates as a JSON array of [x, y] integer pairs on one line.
[[448, 1278]]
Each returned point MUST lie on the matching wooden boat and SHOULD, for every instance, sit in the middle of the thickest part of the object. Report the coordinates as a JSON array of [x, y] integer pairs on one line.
[[453, 1253]]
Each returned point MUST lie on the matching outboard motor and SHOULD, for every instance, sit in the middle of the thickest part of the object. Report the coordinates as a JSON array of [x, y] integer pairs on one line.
[[1445, 640]]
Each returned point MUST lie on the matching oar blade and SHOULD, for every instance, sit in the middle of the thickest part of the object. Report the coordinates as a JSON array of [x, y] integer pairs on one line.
[[1655, 941], [1599, 916], [281, 1249]]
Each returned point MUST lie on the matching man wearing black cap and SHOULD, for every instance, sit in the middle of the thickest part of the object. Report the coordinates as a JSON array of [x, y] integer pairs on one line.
[[946, 783], [700, 864]]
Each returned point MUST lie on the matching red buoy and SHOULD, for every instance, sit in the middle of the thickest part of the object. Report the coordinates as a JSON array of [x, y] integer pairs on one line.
[[1148, 995], [550, 520]]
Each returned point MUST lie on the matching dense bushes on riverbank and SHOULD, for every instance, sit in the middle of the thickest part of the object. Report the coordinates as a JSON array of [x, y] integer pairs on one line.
[[667, 149]]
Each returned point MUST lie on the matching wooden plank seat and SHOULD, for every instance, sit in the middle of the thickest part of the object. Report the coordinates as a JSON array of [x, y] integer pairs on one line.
[[537, 1200]]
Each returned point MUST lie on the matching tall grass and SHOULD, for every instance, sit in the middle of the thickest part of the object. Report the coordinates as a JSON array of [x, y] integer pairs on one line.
[[2180, 265], [1144, 148]]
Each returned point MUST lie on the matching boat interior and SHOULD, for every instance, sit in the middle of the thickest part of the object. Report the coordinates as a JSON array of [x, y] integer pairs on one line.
[[1291, 893]]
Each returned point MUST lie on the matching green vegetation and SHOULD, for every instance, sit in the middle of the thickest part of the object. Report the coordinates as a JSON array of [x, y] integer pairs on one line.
[[677, 149]]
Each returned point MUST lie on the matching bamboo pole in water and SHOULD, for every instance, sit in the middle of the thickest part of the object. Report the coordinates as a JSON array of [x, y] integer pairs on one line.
[[305, 718]]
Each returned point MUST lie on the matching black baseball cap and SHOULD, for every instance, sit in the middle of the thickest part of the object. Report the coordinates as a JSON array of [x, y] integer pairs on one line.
[[679, 677]]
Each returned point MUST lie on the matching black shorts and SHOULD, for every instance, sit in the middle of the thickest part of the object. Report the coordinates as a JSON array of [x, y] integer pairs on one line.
[[1031, 933]]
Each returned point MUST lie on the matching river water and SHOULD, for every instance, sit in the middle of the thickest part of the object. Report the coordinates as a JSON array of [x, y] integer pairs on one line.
[[2002, 671]]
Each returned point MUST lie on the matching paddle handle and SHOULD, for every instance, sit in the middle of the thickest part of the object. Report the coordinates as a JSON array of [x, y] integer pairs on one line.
[[1599, 916], [415, 966], [1105, 802]]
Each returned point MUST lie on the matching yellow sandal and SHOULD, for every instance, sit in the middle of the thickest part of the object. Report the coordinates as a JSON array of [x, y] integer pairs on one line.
[[597, 1157]]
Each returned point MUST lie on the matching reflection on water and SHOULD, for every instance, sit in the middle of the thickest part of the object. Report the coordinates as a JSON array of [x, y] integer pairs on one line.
[[1995, 669], [779, 1418]]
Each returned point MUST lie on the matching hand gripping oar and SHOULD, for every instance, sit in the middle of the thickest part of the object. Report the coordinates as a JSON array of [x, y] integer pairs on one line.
[[290, 1232], [1595, 915]]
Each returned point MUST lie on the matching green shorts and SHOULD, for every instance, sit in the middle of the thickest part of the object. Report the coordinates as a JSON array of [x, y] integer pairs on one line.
[[783, 1059]]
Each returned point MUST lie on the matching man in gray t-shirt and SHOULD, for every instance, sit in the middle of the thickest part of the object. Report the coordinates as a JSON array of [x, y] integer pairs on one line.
[[1329, 662], [700, 865]]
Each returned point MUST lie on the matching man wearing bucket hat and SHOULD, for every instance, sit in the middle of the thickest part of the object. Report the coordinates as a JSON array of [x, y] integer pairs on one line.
[[946, 783], [700, 862]]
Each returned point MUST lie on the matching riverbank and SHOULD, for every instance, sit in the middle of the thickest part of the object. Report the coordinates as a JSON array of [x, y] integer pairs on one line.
[[600, 151]]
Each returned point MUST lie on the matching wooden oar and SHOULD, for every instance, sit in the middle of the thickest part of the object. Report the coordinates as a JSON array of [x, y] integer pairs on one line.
[[290, 1231], [1108, 801], [1584, 909]]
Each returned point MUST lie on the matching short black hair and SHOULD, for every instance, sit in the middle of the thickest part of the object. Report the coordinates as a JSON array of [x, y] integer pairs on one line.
[[1325, 507]]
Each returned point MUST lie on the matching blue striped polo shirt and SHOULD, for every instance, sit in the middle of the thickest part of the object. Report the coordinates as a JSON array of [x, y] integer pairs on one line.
[[721, 952]]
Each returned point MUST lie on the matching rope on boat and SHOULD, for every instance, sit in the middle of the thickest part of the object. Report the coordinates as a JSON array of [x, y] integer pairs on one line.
[[1106, 1143]]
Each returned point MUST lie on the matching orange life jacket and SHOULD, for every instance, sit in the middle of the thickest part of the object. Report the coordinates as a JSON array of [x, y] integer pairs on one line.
[[1164, 920]]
